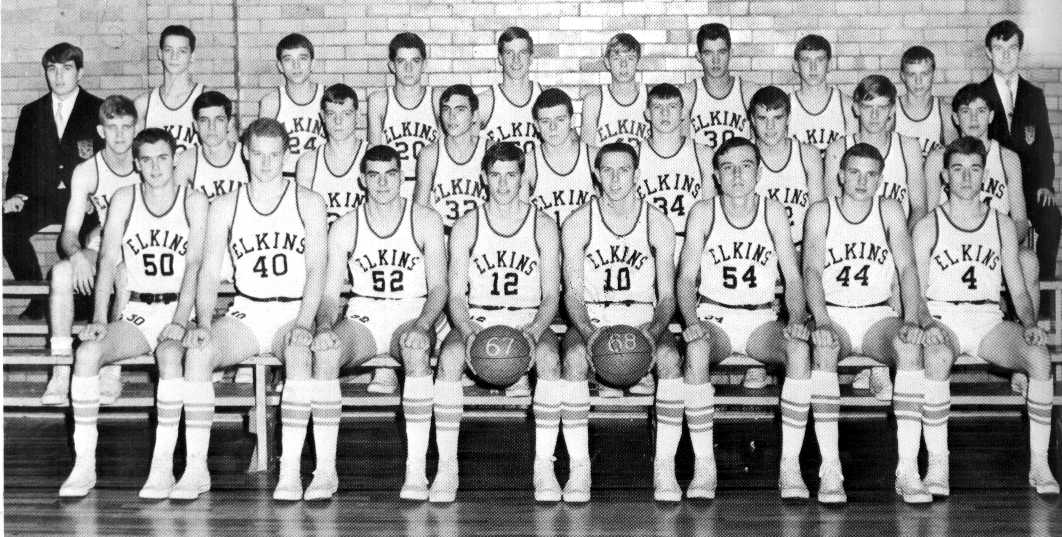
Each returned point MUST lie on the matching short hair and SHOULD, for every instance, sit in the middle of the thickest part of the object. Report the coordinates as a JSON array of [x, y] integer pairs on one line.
[[873, 86], [918, 54], [711, 32], [770, 98], [965, 145], [1004, 30], [62, 53], [209, 99], [663, 91], [625, 41], [265, 127], [967, 95], [406, 40], [552, 97], [338, 94], [117, 106], [178, 30], [463, 90], [734, 143], [864, 150], [294, 41], [153, 135], [616, 147], [504, 152], [811, 43], [513, 33], [380, 153]]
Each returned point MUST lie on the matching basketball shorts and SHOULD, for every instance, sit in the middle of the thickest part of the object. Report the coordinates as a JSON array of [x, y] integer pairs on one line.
[[857, 321], [382, 317], [969, 322], [605, 314], [737, 323], [263, 319], [511, 317], [150, 319]]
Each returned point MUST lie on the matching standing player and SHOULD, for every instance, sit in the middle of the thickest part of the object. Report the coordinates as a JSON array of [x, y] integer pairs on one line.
[[554, 192], [832, 116], [917, 67], [296, 104], [737, 245], [619, 249], [505, 119], [332, 169], [156, 229], [717, 100], [605, 116], [275, 232], [176, 52], [965, 252], [855, 247], [213, 166], [504, 269]]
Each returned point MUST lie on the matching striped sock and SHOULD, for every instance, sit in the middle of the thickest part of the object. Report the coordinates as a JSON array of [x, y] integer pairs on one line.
[[826, 408], [670, 395], [449, 405], [168, 403], [700, 417], [907, 406], [416, 408], [85, 398], [796, 399], [1041, 393], [326, 407], [198, 419], [935, 412], [294, 416], [548, 395], [575, 418]]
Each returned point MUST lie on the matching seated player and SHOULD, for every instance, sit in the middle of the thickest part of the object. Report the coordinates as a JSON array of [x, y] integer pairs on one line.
[[393, 251], [504, 270], [156, 229], [737, 245], [855, 247], [275, 232], [965, 252], [332, 169], [619, 250]]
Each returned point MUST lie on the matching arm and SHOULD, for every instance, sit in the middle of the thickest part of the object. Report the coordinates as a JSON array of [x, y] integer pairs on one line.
[[662, 239], [196, 207], [269, 105], [778, 224], [925, 233], [934, 187], [948, 130], [574, 237], [111, 251], [850, 122], [698, 222], [1012, 173], [377, 108], [341, 239], [1044, 148], [306, 167], [426, 163], [900, 244], [547, 238], [82, 183], [1012, 273], [184, 169], [591, 114], [216, 243], [704, 163], [832, 168], [461, 238], [486, 107], [141, 105], [18, 168], [313, 217], [432, 243], [812, 160], [815, 224], [916, 183]]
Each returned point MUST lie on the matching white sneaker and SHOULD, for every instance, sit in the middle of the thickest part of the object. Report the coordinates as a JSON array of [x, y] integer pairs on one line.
[[608, 392], [577, 489], [384, 380], [444, 487], [1019, 383], [544, 480], [862, 380], [790, 483], [909, 486], [110, 384], [324, 485], [289, 484], [244, 375], [936, 480], [665, 486], [1040, 476], [416, 485], [217, 376], [521, 388], [646, 386], [831, 483], [756, 378], [195, 481], [58, 390], [881, 384], [702, 486], [159, 483], [81, 480]]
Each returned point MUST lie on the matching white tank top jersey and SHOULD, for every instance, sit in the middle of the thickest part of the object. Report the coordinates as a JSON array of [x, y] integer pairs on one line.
[[819, 128], [340, 189], [176, 121], [513, 122], [107, 183], [713, 121], [893, 183], [268, 249], [672, 183], [154, 246], [217, 180], [994, 188], [788, 185], [558, 194], [303, 123], [456, 187], [738, 265], [859, 269], [619, 268], [387, 266], [929, 131], [505, 269], [617, 122], [408, 130], [964, 264]]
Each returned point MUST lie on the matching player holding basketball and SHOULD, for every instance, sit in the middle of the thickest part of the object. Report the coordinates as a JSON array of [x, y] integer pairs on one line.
[[297, 103], [214, 166], [615, 112], [619, 249], [507, 106], [176, 53], [331, 170], [917, 67], [718, 100], [504, 270], [820, 113]]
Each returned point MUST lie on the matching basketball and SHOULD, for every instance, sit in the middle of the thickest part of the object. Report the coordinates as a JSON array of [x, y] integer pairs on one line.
[[499, 355], [621, 355]]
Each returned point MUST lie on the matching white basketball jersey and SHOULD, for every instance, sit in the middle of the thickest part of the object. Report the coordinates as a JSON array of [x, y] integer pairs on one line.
[[339, 188], [107, 183], [619, 122], [893, 183], [408, 130], [788, 185], [154, 246], [738, 265], [713, 121], [994, 188], [387, 265], [619, 268], [217, 180], [818, 128], [512, 122], [456, 187], [179, 121], [303, 123], [964, 265], [929, 131], [505, 269], [268, 247], [558, 194], [859, 269], [672, 183]]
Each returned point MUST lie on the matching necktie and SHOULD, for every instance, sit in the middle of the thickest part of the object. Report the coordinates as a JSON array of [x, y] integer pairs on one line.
[[1010, 101], [59, 118]]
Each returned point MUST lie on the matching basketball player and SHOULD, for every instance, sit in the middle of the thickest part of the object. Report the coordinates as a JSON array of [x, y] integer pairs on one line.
[[737, 245], [404, 116], [169, 106], [855, 247], [507, 106], [214, 166], [275, 232], [393, 251], [92, 184], [615, 112], [296, 104], [917, 67], [448, 169], [718, 100], [558, 193], [332, 169], [619, 249], [504, 270], [156, 229], [820, 113], [965, 251]]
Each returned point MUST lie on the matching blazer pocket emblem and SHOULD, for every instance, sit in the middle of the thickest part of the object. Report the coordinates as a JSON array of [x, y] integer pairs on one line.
[[85, 149], [1030, 134]]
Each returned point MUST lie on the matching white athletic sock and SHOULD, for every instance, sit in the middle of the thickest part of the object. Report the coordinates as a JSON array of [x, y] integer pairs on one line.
[[198, 419], [575, 419], [326, 406], [796, 400], [670, 402], [449, 405], [294, 416], [548, 396], [826, 408], [700, 418], [907, 406], [85, 399], [61, 345], [1041, 393], [417, 399], [936, 409], [168, 403]]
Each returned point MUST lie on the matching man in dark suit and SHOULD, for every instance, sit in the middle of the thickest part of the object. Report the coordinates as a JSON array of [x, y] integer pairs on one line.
[[54, 134], [1020, 123]]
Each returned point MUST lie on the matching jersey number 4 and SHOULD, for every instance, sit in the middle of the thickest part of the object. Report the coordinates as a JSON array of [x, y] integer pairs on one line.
[[845, 276], [969, 279]]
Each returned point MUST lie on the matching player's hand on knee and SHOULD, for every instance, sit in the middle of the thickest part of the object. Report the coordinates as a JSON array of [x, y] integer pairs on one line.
[[174, 331], [796, 331], [694, 332], [932, 336], [196, 338], [324, 341], [415, 340], [300, 336], [911, 334], [824, 336], [94, 332], [1034, 336]]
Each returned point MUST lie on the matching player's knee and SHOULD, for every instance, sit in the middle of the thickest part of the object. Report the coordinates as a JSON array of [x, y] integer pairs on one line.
[[198, 361], [451, 362], [325, 363], [576, 366], [169, 356], [417, 363], [87, 359], [937, 360], [297, 362], [908, 355], [697, 361], [1037, 362], [668, 362], [797, 359], [547, 362], [824, 357]]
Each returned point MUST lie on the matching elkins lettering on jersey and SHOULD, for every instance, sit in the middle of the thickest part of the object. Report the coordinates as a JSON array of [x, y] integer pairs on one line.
[[305, 124], [744, 250], [273, 240], [894, 191], [344, 200], [858, 250], [975, 253], [671, 181], [821, 136], [719, 118], [505, 259], [411, 129], [458, 187], [624, 255], [183, 134], [513, 129], [158, 238], [389, 257], [561, 198], [994, 187], [788, 196], [629, 131], [219, 187]]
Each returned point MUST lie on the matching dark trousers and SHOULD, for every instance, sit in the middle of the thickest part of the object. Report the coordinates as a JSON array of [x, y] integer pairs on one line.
[[1046, 221], [18, 251]]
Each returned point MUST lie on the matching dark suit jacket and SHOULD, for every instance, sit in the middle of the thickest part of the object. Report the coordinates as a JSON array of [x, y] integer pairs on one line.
[[41, 162], [1029, 134]]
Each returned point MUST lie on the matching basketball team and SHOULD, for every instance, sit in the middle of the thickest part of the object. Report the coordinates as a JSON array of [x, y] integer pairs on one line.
[[891, 237]]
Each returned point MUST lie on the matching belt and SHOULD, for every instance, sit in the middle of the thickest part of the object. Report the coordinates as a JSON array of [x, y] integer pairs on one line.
[[152, 298], [884, 303], [969, 302], [496, 308], [620, 303], [750, 307], [367, 297], [270, 299]]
